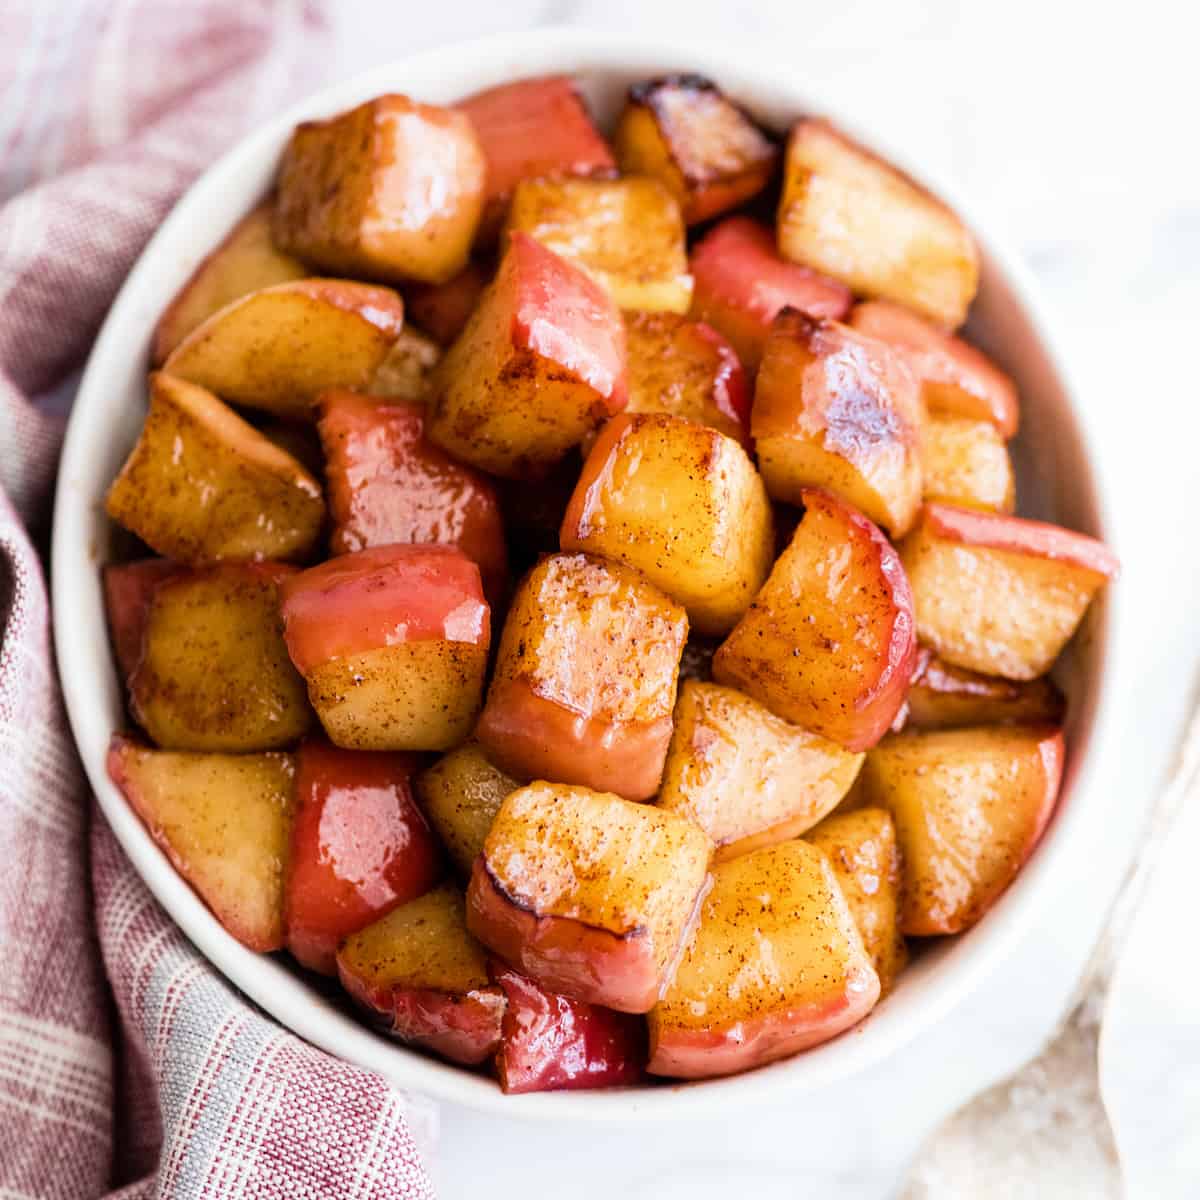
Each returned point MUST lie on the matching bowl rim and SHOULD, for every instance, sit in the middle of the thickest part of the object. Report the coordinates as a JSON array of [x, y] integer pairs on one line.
[[285, 995]]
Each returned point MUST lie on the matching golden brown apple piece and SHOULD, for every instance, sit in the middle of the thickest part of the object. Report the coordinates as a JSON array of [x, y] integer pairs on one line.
[[202, 485], [406, 371], [969, 807], [224, 821], [966, 462], [1000, 595], [836, 410], [848, 213], [686, 133], [442, 310], [588, 893], [775, 966], [244, 262], [584, 682], [279, 348], [746, 777], [390, 190], [946, 697], [829, 641], [861, 848], [682, 504], [626, 234]]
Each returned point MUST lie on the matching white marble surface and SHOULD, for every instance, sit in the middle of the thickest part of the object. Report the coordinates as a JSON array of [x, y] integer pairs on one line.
[[1070, 124]]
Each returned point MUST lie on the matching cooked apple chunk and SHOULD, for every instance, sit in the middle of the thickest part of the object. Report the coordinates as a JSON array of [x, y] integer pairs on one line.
[[588, 893], [956, 379], [829, 641], [244, 262], [745, 776], [425, 978], [776, 965], [224, 821], [540, 364], [836, 410], [202, 485], [742, 284], [682, 504], [393, 643], [214, 673], [279, 348], [585, 678], [389, 190], [1000, 595], [946, 697], [442, 310], [969, 807], [683, 131], [966, 462], [848, 213], [405, 373], [626, 234], [861, 848], [128, 590]]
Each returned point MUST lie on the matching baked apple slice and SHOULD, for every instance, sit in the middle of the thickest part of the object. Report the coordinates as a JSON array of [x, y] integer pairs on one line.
[[585, 678], [776, 965], [969, 807], [425, 978], [393, 643], [1000, 595], [946, 697], [683, 131], [626, 234], [360, 847], [224, 821], [682, 504], [837, 410], [540, 364], [553, 1043], [742, 284], [279, 348], [848, 213], [391, 190], [407, 371], [747, 778], [829, 642], [862, 849], [442, 310], [128, 588], [202, 485], [966, 463], [588, 893]]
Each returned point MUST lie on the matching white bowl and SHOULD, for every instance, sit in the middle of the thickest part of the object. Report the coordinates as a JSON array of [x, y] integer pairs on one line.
[[1057, 480]]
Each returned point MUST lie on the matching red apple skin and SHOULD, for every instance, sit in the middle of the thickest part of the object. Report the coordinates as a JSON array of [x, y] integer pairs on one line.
[[563, 954], [551, 1043], [128, 590], [360, 847], [462, 1028], [443, 309]]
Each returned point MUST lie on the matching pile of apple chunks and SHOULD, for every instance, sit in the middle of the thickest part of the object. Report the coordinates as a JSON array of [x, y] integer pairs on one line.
[[768, 690]]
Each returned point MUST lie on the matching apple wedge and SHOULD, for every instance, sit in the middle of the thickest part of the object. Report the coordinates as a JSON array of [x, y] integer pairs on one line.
[[837, 410], [360, 847], [588, 893], [969, 806], [1000, 595], [425, 978], [202, 485], [224, 821], [946, 697], [965, 462], [540, 364], [585, 678], [442, 310], [128, 588], [279, 348], [390, 190], [393, 644], [742, 284], [745, 777], [776, 965], [829, 642]]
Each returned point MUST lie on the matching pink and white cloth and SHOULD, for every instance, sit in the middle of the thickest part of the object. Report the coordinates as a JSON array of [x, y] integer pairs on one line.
[[128, 1066]]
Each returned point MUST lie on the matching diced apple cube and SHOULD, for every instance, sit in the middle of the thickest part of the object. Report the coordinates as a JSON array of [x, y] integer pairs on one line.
[[966, 462]]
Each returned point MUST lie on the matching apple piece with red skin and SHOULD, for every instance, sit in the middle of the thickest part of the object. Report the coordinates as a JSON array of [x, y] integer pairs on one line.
[[742, 283], [540, 364], [830, 641], [588, 893], [776, 965], [128, 588], [1000, 595], [442, 310], [551, 1043], [946, 697], [360, 847], [387, 484], [393, 644]]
